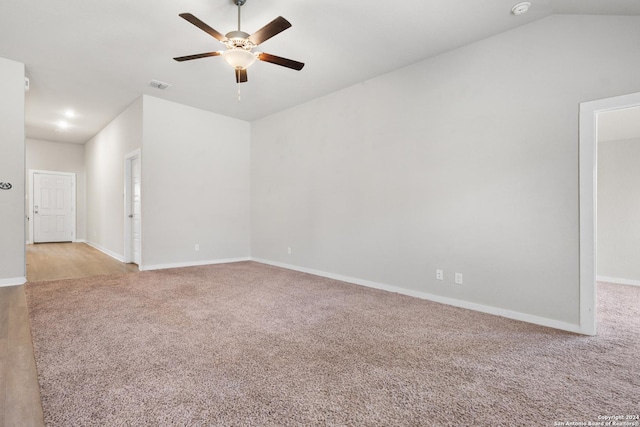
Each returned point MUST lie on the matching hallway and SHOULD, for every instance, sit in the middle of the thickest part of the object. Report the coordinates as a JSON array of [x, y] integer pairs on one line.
[[54, 261]]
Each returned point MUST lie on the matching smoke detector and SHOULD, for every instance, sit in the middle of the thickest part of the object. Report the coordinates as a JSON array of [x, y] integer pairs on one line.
[[521, 8]]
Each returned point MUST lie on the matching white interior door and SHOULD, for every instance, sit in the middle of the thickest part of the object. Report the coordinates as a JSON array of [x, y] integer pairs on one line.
[[135, 210], [52, 208]]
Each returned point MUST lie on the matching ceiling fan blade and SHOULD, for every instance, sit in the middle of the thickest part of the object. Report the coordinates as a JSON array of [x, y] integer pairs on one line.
[[196, 56], [274, 27], [241, 75], [289, 63], [204, 27]]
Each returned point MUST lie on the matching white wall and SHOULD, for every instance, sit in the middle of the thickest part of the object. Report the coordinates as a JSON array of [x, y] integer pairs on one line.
[[466, 162], [195, 185], [104, 162], [619, 210], [59, 157], [12, 214]]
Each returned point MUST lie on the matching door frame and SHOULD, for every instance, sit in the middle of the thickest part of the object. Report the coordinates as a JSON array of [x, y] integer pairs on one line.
[[74, 208], [128, 253], [588, 184]]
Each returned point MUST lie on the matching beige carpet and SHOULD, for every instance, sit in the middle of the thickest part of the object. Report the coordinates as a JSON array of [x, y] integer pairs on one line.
[[246, 344]]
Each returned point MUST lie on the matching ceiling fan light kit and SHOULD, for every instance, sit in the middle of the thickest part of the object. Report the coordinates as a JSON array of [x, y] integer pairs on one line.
[[239, 58], [240, 45]]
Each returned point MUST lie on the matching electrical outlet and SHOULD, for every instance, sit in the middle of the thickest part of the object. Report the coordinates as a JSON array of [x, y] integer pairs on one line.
[[289, 251], [197, 248], [458, 278], [439, 274]]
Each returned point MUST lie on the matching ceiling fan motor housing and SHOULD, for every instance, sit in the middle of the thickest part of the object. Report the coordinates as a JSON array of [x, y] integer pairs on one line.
[[238, 39]]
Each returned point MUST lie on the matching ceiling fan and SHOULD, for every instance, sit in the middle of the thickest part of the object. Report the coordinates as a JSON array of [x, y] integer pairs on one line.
[[239, 53]]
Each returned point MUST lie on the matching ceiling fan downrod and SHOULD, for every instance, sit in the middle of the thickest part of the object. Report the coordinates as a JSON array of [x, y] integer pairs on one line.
[[239, 3]]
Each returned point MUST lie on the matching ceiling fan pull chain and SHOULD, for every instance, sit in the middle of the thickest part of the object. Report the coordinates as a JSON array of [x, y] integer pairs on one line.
[[238, 92]]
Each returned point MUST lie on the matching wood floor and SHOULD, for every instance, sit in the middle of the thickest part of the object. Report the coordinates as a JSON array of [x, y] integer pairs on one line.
[[53, 261], [19, 390]]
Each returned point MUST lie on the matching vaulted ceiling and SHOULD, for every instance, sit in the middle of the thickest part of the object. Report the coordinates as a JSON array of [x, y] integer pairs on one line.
[[96, 57]]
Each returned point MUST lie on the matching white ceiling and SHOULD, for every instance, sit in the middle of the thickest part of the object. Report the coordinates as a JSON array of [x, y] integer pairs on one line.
[[97, 57]]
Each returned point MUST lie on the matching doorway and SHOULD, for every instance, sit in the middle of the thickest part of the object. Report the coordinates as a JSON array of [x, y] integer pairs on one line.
[[52, 206], [618, 201], [588, 162], [133, 208]]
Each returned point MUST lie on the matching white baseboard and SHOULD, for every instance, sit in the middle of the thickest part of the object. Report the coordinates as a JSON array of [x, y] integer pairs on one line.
[[106, 251], [542, 321], [192, 263], [13, 281], [29, 242], [618, 280]]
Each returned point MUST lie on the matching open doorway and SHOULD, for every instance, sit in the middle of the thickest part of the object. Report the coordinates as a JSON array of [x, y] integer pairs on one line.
[[132, 208], [618, 197], [588, 158]]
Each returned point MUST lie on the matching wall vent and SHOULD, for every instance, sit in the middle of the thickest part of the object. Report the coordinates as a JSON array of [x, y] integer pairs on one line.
[[158, 84]]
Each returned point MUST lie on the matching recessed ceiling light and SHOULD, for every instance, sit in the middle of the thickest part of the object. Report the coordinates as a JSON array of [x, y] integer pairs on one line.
[[70, 113], [521, 8], [62, 124]]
